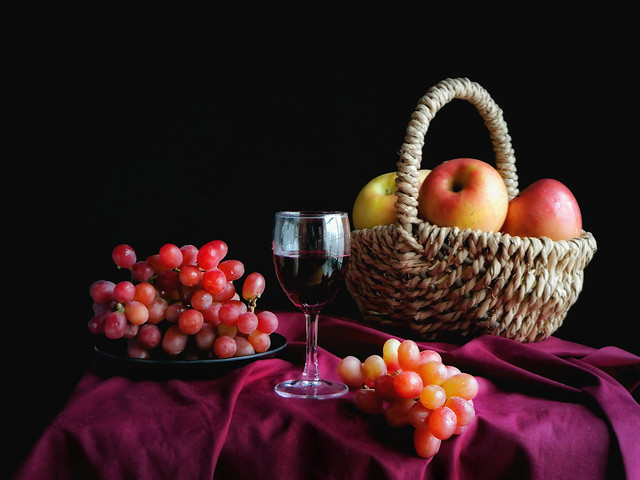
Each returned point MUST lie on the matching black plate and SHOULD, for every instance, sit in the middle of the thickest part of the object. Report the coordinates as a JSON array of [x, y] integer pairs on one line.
[[117, 351]]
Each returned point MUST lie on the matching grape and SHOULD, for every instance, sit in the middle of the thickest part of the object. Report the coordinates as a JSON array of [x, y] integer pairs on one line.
[[373, 366], [123, 292], [157, 310], [96, 324], [228, 314], [253, 286], [149, 336], [432, 372], [228, 330], [247, 322], [464, 410], [425, 443], [230, 311], [408, 384], [103, 307], [190, 275], [189, 255], [184, 293], [233, 269], [225, 346], [243, 347], [433, 396], [442, 422], [408, 355], [205, 337], [419, 415], [115, 325], [124, 256], [170, 256], [211, 314], [101, 310], [101, 291], [226, 294], [368, 401], [136, 312], [168, 281], [131, 331], [451, 371], [385, 386], [261, 341], [430, 356], [211, 253], [397, 413], [201, 300], [141, 272], [136, 350], [214, 281], [174, 341], [461, 385], [154, 262], [145, 293], [351, 371], [190, 321], [267, 321], [390, 354], [173, 311]]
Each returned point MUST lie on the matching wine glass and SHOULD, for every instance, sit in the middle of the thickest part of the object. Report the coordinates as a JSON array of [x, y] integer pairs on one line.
[[310, 253]]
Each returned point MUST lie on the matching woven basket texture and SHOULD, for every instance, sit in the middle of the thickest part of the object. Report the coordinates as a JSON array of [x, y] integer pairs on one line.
[[444, 280]]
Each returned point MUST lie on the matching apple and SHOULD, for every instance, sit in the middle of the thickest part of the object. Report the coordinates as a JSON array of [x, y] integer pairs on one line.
[[375, 203], [464, 193], [546, 208]]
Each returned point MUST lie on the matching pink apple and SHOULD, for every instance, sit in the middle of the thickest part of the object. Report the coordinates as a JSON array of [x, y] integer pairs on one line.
[[375, 203], [464, 193], [546, 208]]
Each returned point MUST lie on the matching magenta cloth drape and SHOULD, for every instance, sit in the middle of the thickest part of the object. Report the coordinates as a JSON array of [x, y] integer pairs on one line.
[[548, 410]]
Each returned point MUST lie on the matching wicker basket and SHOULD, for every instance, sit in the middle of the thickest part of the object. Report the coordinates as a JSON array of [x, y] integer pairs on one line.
[[447, 280]]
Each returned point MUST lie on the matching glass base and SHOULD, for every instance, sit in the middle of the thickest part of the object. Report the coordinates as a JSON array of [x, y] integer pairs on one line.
[[311, 389]]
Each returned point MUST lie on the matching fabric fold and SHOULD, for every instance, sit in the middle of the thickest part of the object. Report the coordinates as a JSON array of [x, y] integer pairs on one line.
[[546, 410]]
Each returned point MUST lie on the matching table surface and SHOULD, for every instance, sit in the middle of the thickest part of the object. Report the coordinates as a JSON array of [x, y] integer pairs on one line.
[[552, 409]]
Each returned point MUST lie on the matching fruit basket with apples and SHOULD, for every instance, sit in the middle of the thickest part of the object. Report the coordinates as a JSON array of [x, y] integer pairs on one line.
[[441, 277]]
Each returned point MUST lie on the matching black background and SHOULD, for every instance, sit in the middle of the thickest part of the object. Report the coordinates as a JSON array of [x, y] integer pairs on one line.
[[148, 143]]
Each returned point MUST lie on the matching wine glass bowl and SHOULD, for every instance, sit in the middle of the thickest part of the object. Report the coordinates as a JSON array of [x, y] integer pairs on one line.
[[310, 254]]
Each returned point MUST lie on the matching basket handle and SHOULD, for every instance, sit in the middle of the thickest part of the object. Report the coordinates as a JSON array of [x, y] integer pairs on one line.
[[411, 151]]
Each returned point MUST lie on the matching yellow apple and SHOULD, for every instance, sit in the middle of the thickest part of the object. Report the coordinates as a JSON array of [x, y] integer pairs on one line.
[[375, 204], [464, 193]]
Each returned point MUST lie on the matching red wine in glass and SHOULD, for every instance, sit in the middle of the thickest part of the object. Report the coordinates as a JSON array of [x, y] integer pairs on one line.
[[311, 279], [310, 253]]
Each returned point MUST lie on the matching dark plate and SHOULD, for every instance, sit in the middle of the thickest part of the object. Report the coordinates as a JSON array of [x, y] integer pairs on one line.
[[117, 351]]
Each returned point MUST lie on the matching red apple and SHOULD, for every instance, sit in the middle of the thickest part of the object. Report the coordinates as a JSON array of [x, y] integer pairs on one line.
[[546, 208], [465, 193], [375, 203]]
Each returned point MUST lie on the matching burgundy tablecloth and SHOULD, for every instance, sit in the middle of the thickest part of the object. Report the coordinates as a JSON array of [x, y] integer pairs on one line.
[[550, 410]]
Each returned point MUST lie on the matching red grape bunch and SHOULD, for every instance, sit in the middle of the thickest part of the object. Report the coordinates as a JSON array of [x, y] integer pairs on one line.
[[183, 300], [415, 388]]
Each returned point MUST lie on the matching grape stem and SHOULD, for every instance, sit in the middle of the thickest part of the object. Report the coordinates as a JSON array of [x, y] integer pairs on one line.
[[253, 303]]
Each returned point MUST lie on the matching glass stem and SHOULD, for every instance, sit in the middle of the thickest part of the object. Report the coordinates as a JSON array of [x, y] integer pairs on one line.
[[311, 372]]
